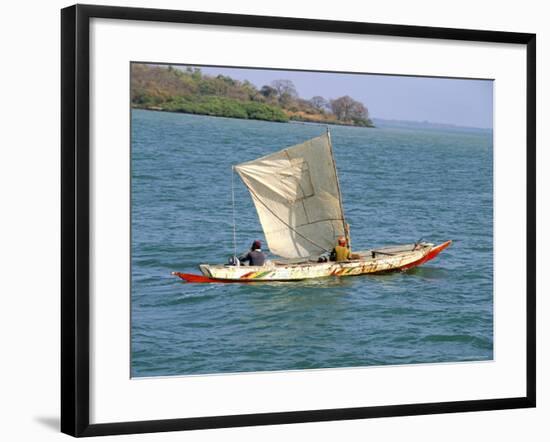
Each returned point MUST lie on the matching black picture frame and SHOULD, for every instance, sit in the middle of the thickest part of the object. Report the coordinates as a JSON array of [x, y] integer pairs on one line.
[[75, 225]]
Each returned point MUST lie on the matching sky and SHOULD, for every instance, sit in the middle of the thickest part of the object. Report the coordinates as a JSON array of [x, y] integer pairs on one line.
[[460, 102]]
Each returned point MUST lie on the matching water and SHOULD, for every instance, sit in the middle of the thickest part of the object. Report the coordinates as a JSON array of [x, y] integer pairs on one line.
[[398, 185]]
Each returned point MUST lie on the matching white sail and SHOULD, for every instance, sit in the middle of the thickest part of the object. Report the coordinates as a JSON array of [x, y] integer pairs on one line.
[[297, 197]]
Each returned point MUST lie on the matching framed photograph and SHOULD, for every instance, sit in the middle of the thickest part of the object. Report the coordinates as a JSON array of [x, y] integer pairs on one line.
[[272, 220]]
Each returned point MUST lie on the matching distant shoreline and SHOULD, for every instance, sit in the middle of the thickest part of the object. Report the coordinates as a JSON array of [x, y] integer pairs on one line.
[[380, 123], [189, 91], [293, 120], [412, 124]]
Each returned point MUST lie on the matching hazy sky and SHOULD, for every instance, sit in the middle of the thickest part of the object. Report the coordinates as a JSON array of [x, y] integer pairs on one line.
[[437, 100]]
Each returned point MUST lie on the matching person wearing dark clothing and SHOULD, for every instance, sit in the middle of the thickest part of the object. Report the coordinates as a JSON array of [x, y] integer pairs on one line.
[[255, 256]]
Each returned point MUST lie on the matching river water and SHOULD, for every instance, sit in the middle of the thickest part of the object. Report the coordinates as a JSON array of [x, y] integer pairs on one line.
[[398, 185]]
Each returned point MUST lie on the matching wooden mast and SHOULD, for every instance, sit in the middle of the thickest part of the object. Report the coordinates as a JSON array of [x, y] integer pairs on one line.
[[345, 225]]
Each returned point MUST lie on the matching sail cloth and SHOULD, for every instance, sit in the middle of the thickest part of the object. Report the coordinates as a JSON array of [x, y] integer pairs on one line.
[[297, 197]]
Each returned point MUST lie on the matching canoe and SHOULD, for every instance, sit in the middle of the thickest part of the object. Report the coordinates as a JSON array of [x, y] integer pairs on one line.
[[386, 259], [297, 197]]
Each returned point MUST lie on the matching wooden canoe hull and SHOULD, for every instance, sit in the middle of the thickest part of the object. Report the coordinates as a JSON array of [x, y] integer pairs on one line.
[[370, 262]]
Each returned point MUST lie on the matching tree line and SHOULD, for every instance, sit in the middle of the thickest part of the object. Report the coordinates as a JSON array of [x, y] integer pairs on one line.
[[190, 90]]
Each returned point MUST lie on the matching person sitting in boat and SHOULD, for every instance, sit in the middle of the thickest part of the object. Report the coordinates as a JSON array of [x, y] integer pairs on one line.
[[255, 256], [341, 252]]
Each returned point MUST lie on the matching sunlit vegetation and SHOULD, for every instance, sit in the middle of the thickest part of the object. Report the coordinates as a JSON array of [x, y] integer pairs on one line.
[[188, 90]]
